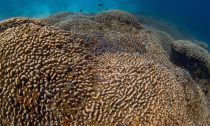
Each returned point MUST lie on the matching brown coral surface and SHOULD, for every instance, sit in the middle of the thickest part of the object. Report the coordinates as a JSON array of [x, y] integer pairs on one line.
[[133, 91], [42, 70], [109, 74], [113, 15]]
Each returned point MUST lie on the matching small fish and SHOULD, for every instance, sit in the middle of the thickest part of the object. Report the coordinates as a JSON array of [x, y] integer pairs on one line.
[[101, 4]]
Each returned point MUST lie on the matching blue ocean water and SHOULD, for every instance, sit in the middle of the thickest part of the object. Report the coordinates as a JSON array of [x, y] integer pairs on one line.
[[190, 14]]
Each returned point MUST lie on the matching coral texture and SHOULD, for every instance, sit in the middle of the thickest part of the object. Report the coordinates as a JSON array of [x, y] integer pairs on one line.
[[79, 25], [13, 22], [53, 19], [165, 39], [192, 55], [117, 15], [197, 108], [133, 91], [105, 72], [42, 70]]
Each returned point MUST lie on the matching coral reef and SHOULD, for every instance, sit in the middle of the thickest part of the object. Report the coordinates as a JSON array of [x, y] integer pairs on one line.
[[117, 36], [117, 15], [42, 70], [100, 70], [79, 25], [53, 19], [196, 104], [134, 91], [165, 39], [13, 22], [192, 56]]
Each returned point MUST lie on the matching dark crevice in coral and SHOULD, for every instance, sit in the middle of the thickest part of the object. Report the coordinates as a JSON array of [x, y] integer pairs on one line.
[[1, 30], [196, 68]]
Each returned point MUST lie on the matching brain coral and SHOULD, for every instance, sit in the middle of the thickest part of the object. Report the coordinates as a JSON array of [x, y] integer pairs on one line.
[[197, 108], [193, 56], [117, 15], [79, 25], [117, 36], [42, 70], [13, 22], [165, 39], [49, 76], [133, 91], [53, 19]]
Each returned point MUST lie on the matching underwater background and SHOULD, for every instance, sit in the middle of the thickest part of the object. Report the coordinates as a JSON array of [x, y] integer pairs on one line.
[[104, 63], [192, 17]]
